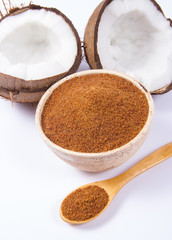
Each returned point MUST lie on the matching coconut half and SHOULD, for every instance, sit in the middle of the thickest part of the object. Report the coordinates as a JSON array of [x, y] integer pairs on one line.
[[38, 46], [133, 37]]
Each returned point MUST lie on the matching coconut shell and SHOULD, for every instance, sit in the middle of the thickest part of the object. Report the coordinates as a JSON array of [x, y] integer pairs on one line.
[[32, 90], [91, 36]]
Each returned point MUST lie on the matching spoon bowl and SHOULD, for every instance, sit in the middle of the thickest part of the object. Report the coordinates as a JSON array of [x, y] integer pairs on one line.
[[113, 185]]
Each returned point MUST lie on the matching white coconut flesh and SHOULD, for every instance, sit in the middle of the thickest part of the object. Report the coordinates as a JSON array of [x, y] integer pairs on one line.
[[36, 44], [135, 38]]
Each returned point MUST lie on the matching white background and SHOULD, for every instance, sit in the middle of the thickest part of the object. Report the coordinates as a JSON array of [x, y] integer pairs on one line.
[[33, 181]]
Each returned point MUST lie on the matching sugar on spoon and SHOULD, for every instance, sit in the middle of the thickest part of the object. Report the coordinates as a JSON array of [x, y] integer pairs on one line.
[[89, 201]]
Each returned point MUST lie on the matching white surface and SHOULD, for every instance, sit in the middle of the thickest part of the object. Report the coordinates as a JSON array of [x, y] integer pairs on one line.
[[33, 181]]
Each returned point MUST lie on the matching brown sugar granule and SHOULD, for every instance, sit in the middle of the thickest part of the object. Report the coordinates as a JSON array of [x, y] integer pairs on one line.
[[94, 113], [84, 203]]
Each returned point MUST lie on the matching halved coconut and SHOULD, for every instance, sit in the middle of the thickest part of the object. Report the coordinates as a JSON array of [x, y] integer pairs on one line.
[[38, 46], [134, 37]]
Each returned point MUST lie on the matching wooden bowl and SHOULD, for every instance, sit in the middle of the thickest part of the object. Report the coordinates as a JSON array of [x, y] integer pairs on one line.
[[96, 162]]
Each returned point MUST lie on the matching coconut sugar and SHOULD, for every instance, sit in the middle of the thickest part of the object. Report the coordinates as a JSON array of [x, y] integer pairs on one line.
[[94, 113], [84, 203]]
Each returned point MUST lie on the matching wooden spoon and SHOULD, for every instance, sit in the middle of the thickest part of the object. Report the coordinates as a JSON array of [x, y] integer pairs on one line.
[[113, 185]]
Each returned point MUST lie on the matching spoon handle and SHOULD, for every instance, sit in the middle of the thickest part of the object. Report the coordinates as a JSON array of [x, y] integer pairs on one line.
[[148, 162]]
